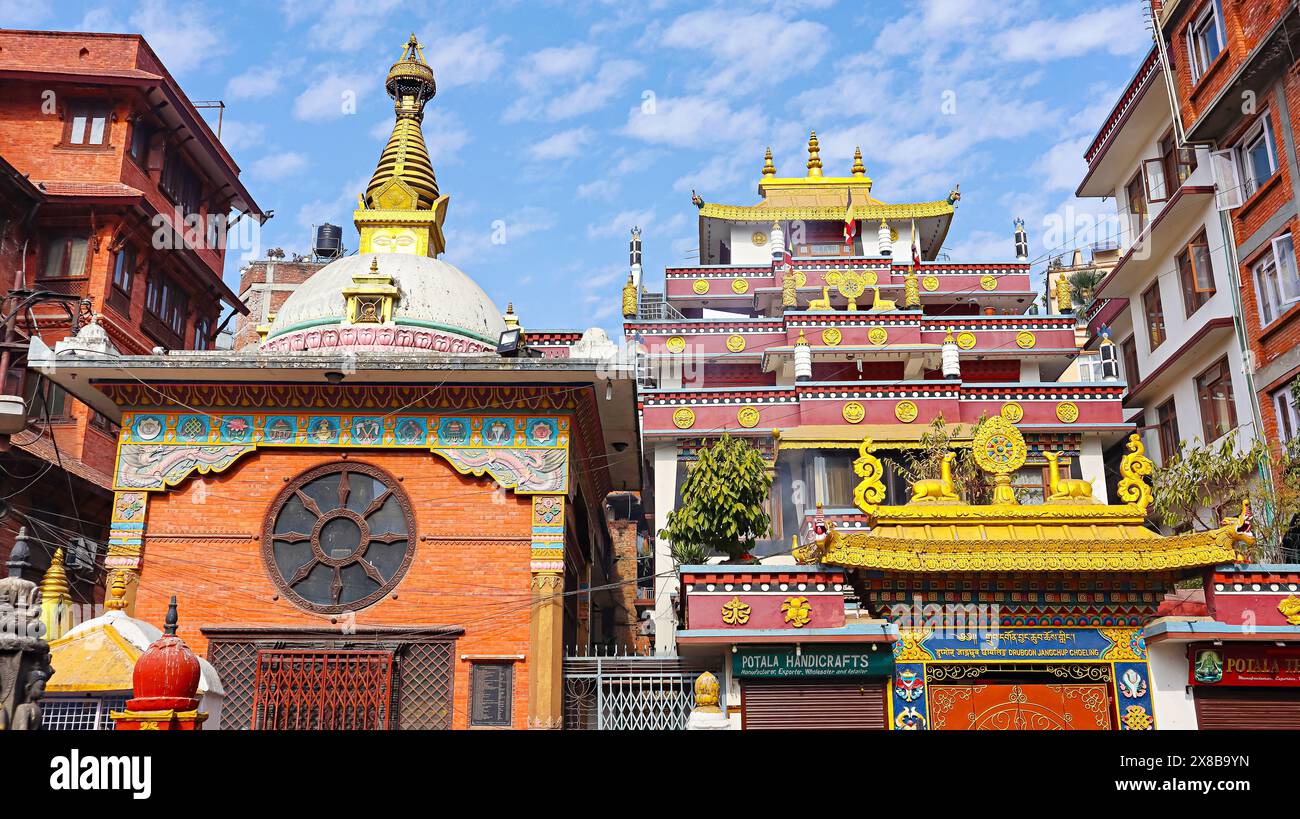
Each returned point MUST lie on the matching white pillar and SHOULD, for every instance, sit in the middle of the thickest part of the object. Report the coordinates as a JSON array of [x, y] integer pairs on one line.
[[665, 581], [1092, 467], [1170, 698]]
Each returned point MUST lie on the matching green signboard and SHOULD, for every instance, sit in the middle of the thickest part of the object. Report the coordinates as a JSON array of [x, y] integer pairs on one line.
[[786, 663]]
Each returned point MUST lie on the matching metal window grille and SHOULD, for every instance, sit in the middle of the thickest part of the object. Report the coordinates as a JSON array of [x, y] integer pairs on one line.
[[323, 690], [80, 713], [424, 686], [629, 692]]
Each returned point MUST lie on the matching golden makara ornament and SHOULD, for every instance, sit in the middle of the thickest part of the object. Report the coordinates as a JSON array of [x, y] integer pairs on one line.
[[1012, 411], [1067, 412], [854, 412], [736, 343], [1025, 340], [701, 286], [675, 344], [877, 335], [906, 411], [684, 418], [832, 336], [747, 417]]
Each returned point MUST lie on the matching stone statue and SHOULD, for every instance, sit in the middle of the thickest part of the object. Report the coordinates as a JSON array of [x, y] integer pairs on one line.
[[24, 653]]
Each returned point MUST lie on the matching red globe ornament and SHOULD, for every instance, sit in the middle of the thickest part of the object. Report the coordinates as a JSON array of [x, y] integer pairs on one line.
[[166, 677]]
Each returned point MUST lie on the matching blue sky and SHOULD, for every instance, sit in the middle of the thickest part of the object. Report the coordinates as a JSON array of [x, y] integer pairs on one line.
[[568, 122]]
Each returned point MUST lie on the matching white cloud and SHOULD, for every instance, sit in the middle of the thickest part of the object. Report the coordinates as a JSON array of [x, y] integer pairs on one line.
[[16, 13], [608, 82], [1117, 30], [260, 81], [279, 165], [332, 96], [695, 122], [237, 134], [1062, 167], [602, 189], [622, 223], [564, 145], [350, 25], [182, 34], [556, 63], [748, 49], [465, 58]]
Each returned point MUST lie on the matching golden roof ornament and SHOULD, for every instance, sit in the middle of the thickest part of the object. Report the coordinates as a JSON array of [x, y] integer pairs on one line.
[[511, 320], [858, 168], [371, 297], [402, 210], [56, 599], [769, 167], [814, 155], [629, 298]]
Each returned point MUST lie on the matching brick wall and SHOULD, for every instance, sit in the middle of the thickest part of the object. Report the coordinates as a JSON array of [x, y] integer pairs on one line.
[[263, 286], [481, 585]]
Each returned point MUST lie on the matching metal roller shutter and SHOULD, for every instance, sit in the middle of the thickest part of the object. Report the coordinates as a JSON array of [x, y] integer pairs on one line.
[[1238, 708], [813, 704]]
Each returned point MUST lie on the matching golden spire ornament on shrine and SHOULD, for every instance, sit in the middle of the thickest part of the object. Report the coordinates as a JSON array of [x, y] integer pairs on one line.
[[859, 169], [814, 155], [402, 210], [769, 167]]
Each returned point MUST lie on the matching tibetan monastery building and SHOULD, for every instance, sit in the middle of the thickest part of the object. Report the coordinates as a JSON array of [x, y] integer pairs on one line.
[[390, 504], [821, 316]]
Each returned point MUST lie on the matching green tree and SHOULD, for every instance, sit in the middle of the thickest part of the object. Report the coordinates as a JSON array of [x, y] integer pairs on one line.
[[723, 506], [1083, 286], [1202, 485], [925, 462]]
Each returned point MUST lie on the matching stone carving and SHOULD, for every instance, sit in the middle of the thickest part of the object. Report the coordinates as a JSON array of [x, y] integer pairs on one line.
[[24, 653]]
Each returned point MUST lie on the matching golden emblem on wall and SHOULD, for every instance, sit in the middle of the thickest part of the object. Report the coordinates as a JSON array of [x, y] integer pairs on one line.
[[736, 343], [800, 278], [1025, 340], [877, 335], [1012, 411], [701, 286], [747, 417], [869, 278], [850, 283], [1290, 609], [675, 344], [966, 340], [684, 418], [930, 283], [989, 282], [831, 336], [854, 412], [759, 238], [740, 286], [1067, 412], [797, 610], [1136, 718], [1134, 469], [905, 411], [735, 613], [999, 448]]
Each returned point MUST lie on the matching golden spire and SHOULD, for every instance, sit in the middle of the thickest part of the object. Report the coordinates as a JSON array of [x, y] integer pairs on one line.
[[858, 168], [814, 155], [512, 320], [56, 599], [405, 158], [769, 167]]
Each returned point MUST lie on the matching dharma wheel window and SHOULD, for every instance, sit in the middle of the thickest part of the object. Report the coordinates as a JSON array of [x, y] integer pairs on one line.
[[339, 537]]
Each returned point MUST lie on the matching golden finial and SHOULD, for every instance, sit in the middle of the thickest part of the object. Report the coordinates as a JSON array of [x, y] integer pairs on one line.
[[706, 692], [116, 597], [56, 599], [801, 339], [858, 168], [814, 155], [512, 321], [405, 158], [769, 167], [947, 337]]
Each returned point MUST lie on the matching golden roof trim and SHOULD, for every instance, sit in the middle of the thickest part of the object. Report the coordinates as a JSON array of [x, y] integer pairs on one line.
[[763, 213]]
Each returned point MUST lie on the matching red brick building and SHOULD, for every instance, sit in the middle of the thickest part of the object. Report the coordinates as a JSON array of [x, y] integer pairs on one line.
[[1233, 64], [116, 195], [387, 513]]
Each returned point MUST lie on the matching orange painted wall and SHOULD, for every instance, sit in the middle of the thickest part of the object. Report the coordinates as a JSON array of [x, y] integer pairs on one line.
[[481, 586]]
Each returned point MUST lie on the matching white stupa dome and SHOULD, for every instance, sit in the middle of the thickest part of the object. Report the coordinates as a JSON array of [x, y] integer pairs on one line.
[[439, 309]]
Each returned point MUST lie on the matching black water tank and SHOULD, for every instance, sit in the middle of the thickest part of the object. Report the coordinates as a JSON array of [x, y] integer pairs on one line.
[[329, 241]]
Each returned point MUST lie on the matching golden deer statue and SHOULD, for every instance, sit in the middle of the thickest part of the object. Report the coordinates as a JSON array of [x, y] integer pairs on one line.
[[934, 490], [1064, 488], [824, 303], [879, 305]]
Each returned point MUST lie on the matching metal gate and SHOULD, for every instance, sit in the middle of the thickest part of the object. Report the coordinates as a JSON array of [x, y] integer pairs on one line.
[[323, 691], [630, 692]]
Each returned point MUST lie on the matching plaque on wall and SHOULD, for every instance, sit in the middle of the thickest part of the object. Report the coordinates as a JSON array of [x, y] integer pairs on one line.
[[491, 693]]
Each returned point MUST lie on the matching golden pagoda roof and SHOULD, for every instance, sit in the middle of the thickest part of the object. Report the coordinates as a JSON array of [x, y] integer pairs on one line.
[[405, 158], [1071, 531]]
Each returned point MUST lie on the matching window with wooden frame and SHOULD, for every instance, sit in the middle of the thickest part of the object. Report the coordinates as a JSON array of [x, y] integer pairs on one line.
[[1178, 163], [1218, 404], [141, 138], [1205, 39], [181, 184], [1288, 417], [1257, 154], [1031, 484], [1135, 192], [202, 329], [1195, 273], [1128, 354], [65, 256], [1277, 284], [1155, 315], [124, 268], [86, 124], [1167, 430]]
